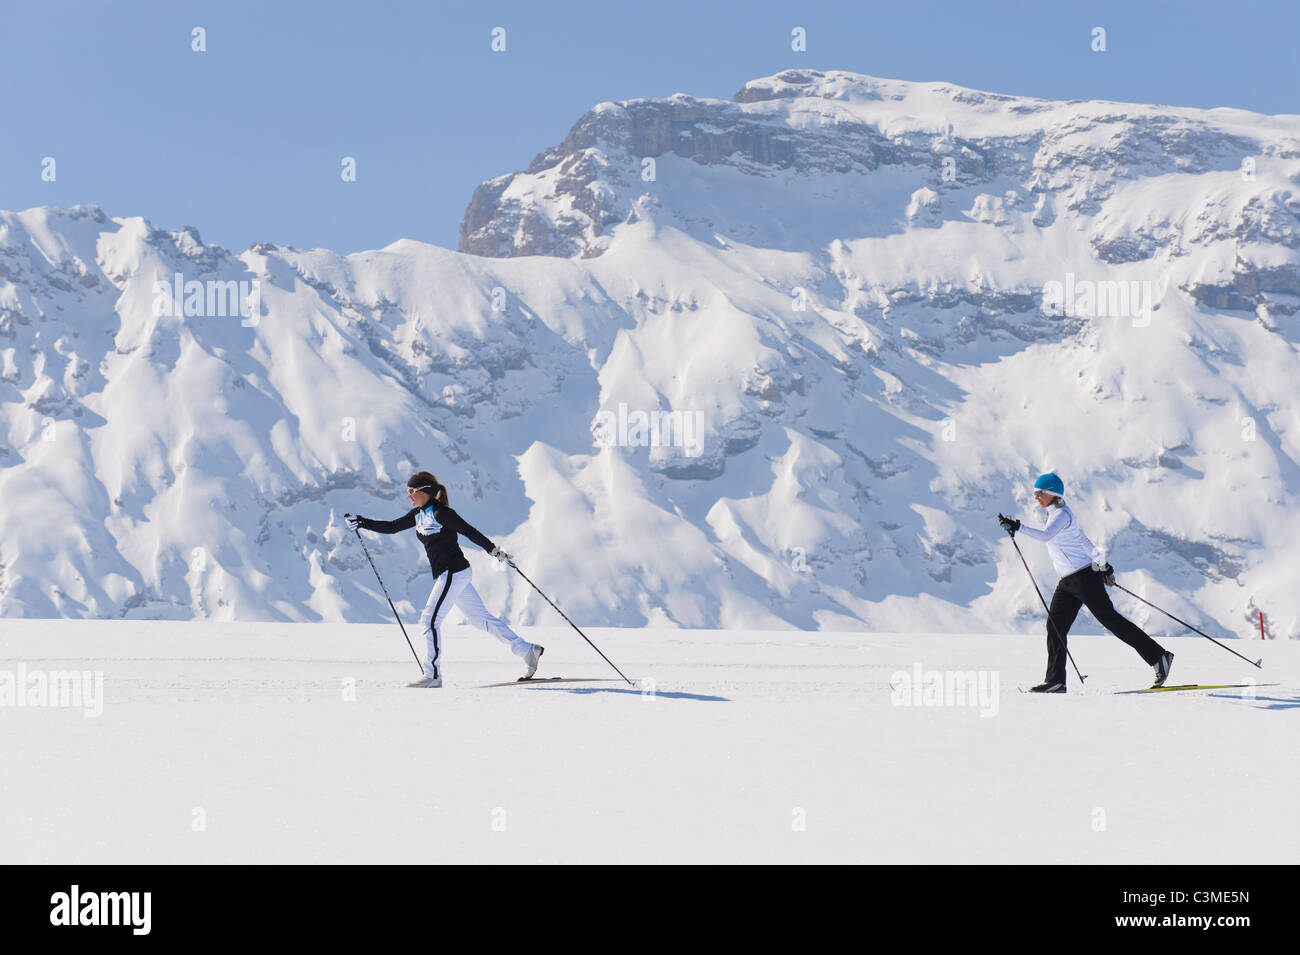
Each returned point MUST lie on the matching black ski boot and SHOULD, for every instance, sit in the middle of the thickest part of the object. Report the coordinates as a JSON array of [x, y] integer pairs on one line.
[[1162, 668], [1048, 688]]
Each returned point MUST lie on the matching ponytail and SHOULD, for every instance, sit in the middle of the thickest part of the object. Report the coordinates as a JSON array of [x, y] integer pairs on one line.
[[427, 480]]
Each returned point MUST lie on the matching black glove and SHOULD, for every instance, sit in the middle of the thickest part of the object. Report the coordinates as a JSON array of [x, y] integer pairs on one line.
[[1009, 524], [1106, 570]]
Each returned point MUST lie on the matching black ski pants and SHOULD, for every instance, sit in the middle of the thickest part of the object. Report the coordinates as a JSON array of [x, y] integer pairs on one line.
[[1087, 588]]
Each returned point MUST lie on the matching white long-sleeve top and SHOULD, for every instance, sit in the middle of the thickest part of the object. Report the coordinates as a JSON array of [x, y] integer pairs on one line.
[[1066, 542]]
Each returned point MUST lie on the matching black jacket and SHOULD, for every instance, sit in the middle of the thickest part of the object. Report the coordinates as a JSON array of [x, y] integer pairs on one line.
[[437, 526]]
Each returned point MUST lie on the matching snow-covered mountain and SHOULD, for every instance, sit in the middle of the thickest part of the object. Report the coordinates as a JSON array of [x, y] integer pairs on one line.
[[773, 362]]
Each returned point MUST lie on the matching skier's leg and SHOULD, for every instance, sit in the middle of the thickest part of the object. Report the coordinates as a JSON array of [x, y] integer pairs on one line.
[[1060, 616], [1099, 605], [471, 604], [441, 599]]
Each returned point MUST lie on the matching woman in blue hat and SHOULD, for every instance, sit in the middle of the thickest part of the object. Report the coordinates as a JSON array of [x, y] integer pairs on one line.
[[1084, 575]]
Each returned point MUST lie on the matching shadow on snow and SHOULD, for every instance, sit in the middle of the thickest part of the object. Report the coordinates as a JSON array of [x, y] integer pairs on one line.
[[1273, 702], [661, 694]]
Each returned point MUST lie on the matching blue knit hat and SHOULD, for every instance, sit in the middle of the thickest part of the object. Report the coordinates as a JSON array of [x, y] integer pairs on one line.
[[1050, 483]]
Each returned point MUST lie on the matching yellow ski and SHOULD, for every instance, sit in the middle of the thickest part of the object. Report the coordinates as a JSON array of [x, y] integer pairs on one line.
[[1195, 686]]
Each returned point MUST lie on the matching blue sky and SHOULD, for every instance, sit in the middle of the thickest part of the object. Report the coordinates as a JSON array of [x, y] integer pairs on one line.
[[244, 141]]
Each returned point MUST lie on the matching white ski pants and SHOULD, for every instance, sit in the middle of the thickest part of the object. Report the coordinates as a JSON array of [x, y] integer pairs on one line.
[[458, 590]]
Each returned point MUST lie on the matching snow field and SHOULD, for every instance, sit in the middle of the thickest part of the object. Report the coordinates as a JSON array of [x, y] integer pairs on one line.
[[237, 742]]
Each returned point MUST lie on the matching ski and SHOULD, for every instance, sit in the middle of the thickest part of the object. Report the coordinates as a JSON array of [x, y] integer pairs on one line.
[[1194, 686], [524, 681]]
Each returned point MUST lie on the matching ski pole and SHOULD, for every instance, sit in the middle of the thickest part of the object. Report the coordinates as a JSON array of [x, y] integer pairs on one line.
[[1050, 622], [390, 599], [1255, 663], [570, 622]]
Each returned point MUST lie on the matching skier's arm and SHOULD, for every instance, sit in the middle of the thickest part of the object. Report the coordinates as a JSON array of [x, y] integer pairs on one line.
[[449, 518], [1059, 522], [405, 522]]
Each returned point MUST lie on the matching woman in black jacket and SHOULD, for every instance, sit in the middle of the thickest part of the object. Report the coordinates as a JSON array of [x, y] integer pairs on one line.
[[437, 525]]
